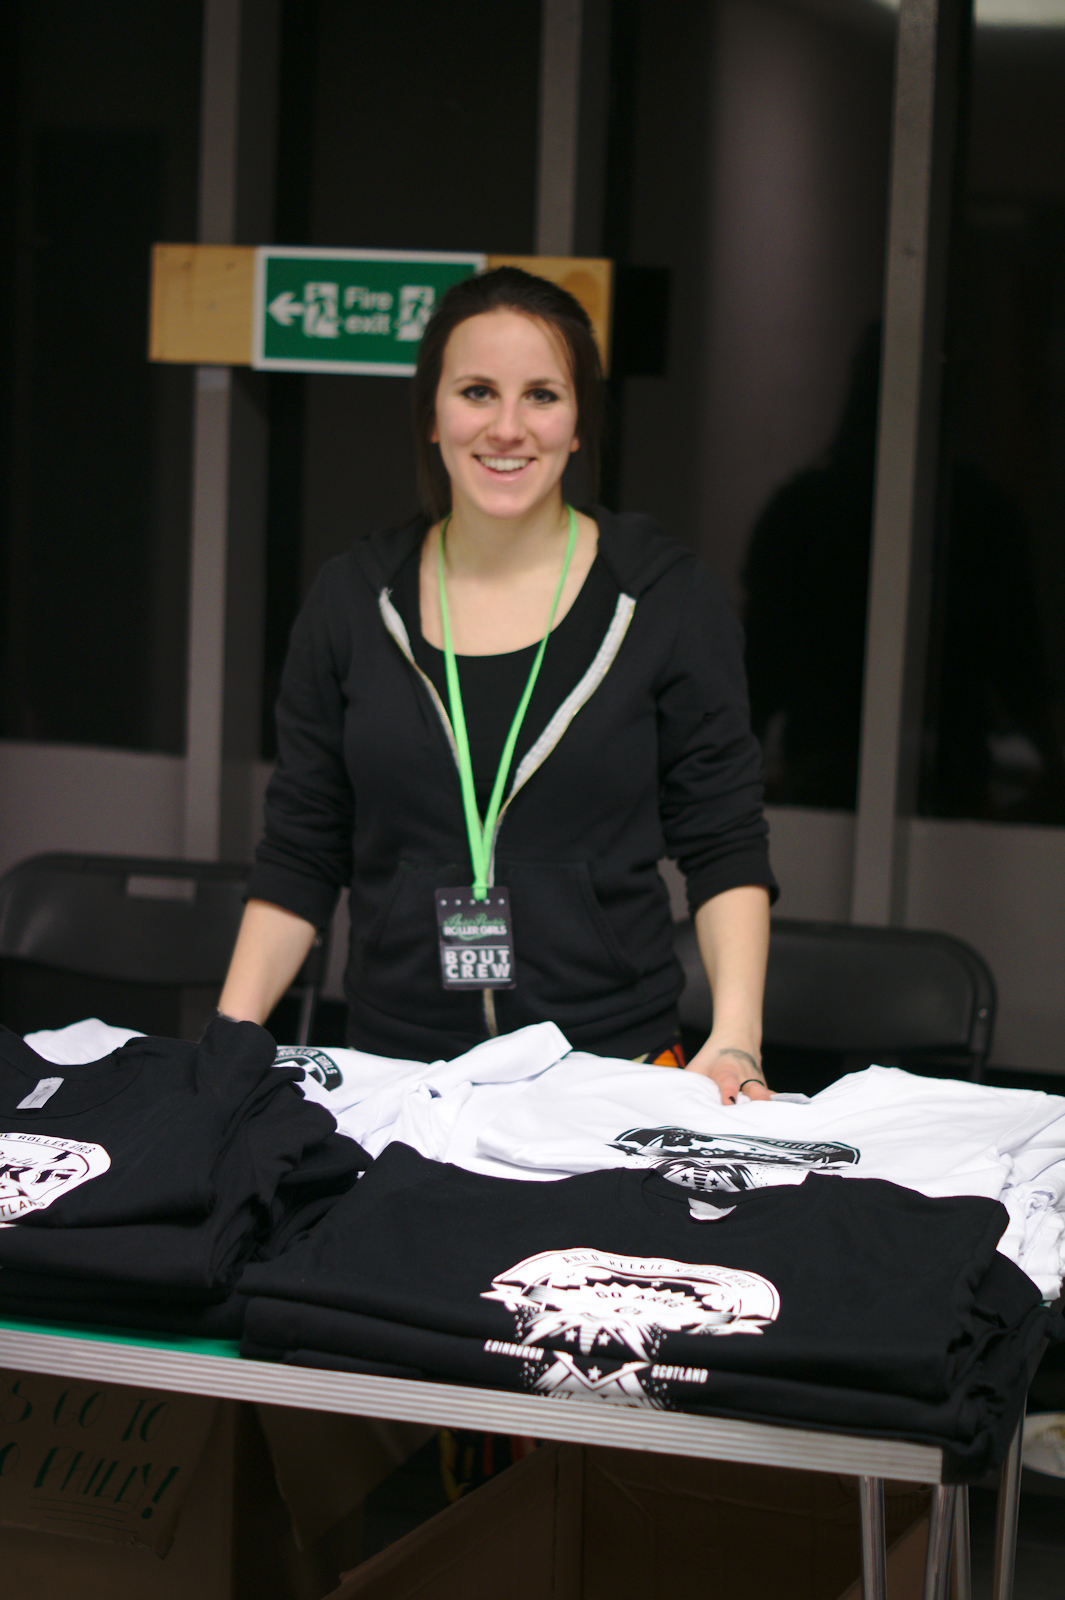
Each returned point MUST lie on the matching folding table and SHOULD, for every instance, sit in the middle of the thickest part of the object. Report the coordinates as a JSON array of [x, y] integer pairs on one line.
[[208, 1367]]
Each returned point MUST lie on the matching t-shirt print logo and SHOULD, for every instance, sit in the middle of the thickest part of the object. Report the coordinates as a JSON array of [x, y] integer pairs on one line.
[[730, 1161], [315, 1063], [36, 1168], [622, 1386], [589, 1298]]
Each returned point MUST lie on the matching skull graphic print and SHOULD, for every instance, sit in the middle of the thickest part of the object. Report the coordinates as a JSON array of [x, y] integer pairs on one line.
[[589, 1298], [592, 1301], [36, 1169], [735, 1161]]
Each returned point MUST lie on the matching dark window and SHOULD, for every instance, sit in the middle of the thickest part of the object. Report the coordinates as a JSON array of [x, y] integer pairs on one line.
[[995, 714], [756, 136], [401, 127], [94, 535]]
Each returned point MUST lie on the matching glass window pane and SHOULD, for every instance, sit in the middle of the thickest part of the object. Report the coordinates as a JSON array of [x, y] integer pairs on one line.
[[94, 533], [426, 141], [995, 716], [760, 153]]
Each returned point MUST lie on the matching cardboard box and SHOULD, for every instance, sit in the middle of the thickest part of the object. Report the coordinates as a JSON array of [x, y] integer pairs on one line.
[[594, 1524], [234, 1538], [97, 1460], [199, 1561]]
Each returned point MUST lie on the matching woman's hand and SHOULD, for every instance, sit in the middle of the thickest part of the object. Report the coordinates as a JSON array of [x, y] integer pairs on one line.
[[733, 1069], [733, 933]]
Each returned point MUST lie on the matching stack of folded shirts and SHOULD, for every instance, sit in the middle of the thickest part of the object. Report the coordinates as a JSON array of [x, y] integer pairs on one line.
[[853, 1306], [156, 1172], [524, 1106]]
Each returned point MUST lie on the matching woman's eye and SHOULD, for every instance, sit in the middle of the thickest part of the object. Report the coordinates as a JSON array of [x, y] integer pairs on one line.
[[475, 391], [542, 397]]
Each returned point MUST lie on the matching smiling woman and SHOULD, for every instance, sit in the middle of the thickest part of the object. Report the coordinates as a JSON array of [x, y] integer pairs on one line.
[[506, 425], [528, 702], [506, 417], [571, 357]]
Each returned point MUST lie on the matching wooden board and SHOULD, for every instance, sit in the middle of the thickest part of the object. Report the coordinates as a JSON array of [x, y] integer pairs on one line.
[[201, 304], [201, 299]]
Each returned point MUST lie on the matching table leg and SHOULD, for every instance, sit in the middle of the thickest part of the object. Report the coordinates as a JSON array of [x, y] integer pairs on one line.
[[940, 1529], [962, 1587], [874, 1560], [1009, 1504]]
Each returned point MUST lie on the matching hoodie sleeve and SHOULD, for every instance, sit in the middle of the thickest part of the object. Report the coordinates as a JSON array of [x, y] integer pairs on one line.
[[710, 765]]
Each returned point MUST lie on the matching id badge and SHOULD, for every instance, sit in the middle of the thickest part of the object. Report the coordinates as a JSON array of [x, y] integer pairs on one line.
[[476, 941]]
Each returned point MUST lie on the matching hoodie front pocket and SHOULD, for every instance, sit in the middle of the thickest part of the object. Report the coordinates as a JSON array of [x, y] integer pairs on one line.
[[561, 933]]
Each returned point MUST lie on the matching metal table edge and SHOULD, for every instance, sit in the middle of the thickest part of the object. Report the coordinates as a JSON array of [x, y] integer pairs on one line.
[[494, 1410]]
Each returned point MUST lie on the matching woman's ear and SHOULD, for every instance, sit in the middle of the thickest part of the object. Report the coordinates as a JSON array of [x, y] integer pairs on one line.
[[575, 444]]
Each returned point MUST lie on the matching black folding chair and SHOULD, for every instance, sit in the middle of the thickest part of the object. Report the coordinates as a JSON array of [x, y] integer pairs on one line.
[[858, 995], [143, 942]]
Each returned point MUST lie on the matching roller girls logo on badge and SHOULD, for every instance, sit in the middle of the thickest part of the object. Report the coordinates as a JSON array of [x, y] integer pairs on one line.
[[709, 1161], [476, 943], [594, 1301], [315, 1063], [37, 1169]]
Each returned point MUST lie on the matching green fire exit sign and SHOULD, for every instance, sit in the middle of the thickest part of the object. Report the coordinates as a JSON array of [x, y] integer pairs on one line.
[[348, 310]]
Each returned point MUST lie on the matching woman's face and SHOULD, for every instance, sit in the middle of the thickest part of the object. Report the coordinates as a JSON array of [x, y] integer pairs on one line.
[[506, 414]]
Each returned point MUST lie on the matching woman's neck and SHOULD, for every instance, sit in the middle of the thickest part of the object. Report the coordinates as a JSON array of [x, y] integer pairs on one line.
[[477, 544], [501, 579]]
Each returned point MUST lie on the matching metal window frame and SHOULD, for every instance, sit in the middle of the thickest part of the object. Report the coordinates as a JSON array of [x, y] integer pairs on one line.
[[929, 53]]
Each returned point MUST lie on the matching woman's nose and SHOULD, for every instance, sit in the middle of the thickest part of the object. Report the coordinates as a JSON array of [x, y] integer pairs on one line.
[[507, 423]]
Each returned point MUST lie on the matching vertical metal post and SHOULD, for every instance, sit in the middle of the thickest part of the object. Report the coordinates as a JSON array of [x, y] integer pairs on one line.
[[963, 1564], [220, 88], [940, 1539], [1009, 1505], [874, 1556], [560, 95], [207, 613], [924, 123], [230, 443]]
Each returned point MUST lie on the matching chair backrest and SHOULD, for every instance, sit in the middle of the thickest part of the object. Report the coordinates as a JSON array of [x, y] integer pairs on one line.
[[136, 920], [894, 995]]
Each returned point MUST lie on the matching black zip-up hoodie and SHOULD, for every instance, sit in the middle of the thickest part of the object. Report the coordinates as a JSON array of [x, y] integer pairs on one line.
[[651, 755]]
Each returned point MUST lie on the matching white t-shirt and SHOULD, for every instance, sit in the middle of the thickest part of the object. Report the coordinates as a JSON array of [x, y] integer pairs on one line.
[[376, 1099], [939, 1136]]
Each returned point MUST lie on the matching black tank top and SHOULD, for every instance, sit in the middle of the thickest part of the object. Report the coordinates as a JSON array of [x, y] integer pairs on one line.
[[493, 685]]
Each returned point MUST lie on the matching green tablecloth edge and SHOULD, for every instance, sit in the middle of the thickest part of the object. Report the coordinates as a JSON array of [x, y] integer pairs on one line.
[[101, 1335]]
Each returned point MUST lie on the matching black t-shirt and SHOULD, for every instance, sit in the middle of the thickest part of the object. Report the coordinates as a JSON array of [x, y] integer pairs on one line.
[[838, 1281], [849, 1304], [492, 686], [973, 1425], [163, 1163]]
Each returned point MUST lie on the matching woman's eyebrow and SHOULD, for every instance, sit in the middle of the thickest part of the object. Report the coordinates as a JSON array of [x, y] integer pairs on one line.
[[530, 383]]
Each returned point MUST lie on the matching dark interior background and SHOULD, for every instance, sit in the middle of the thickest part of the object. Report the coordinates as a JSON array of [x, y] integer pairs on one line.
[[734, 163]]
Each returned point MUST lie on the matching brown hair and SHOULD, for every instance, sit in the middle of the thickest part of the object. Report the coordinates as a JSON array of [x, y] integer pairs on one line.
[[505, 289]]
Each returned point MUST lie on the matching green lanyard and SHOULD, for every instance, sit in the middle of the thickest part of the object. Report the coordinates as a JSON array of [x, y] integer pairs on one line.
[[481, 834]]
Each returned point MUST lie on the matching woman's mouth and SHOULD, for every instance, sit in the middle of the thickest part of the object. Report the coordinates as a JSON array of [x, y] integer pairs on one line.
[[504, 466]]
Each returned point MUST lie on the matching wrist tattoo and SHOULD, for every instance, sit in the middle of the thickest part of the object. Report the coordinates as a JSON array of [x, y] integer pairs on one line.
[[731, 1050]]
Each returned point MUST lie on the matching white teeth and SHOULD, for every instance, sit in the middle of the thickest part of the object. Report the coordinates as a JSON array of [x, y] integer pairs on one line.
[[504, 463]]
